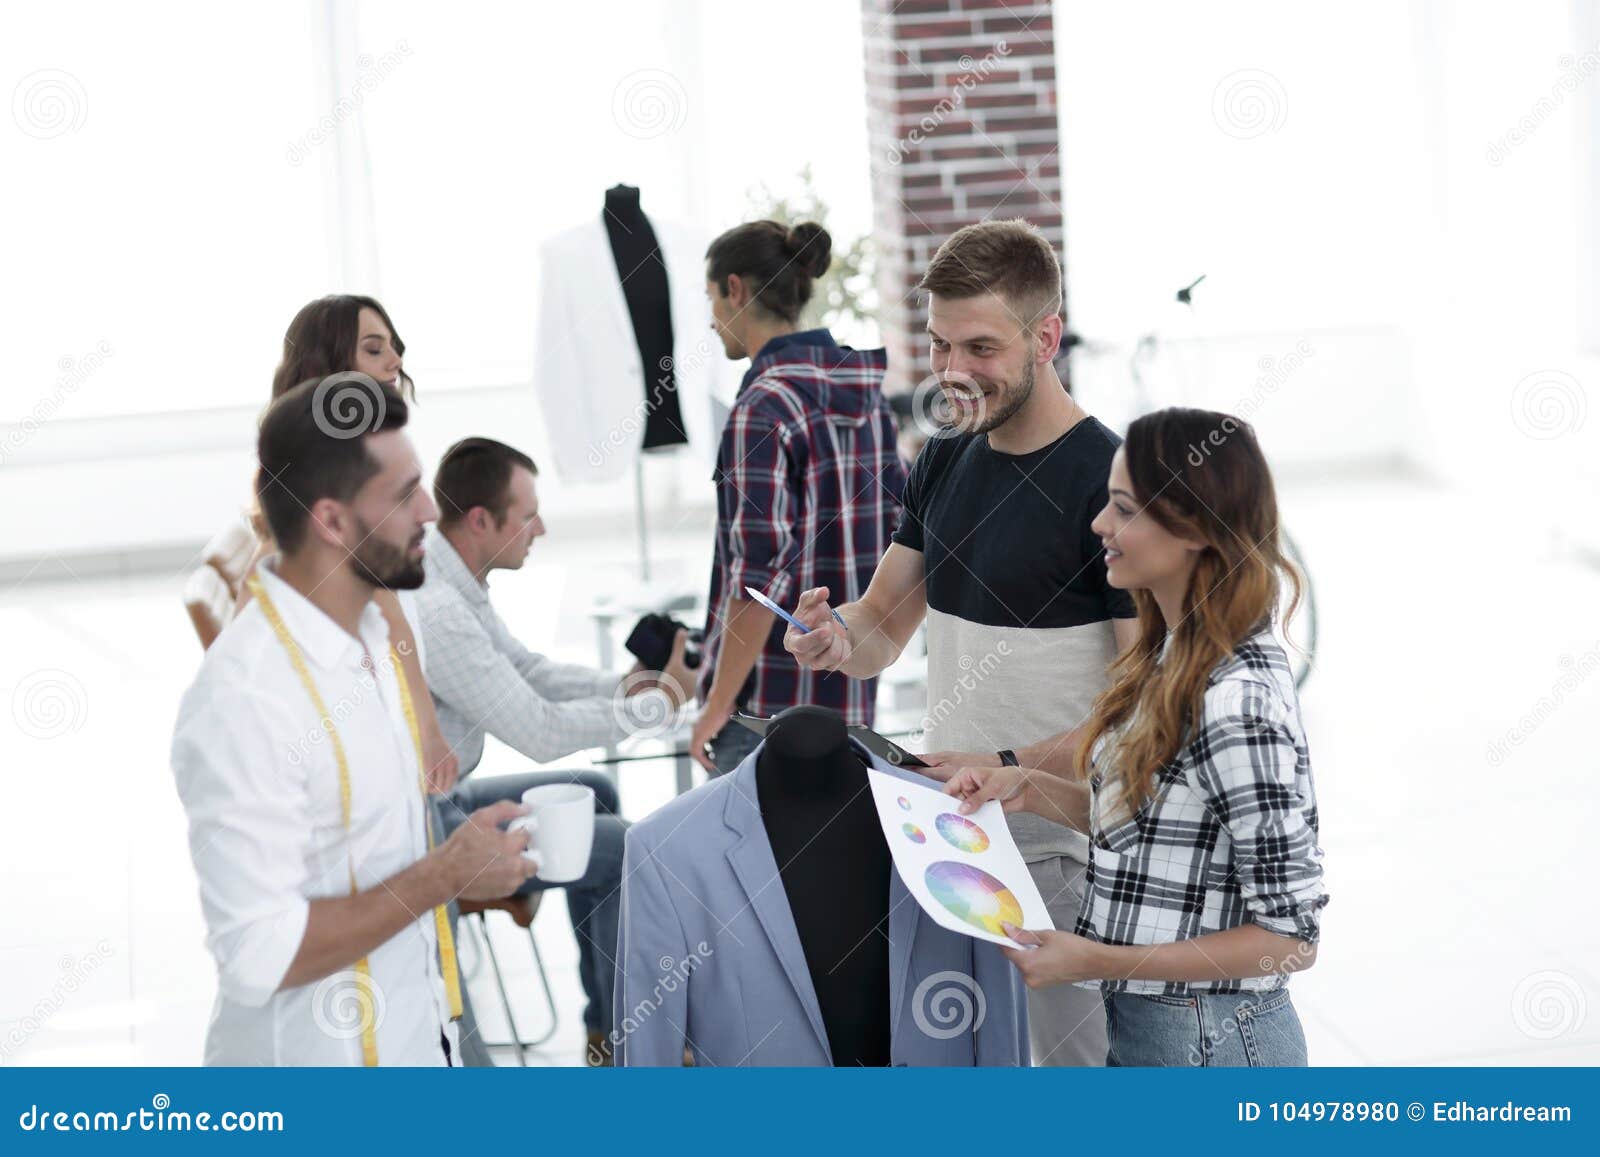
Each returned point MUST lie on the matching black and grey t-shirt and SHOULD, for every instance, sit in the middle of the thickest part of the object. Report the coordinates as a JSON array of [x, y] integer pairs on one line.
[[1019, 609]]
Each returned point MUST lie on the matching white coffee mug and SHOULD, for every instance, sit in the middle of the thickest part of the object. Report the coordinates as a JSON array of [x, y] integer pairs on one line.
[[560, 827]]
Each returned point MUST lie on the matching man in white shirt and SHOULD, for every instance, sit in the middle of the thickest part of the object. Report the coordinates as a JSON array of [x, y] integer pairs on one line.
[[296, 759], [484, 681]]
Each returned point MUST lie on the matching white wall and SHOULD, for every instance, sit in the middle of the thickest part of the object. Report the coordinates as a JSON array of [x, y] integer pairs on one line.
[[1346, 184], [177, 203], [1357, 192], [1275, 150], [1504, 317]]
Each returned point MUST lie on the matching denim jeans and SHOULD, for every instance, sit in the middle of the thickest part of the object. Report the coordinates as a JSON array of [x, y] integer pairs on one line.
[[1257, 1029], [594, 900], [731, 746]]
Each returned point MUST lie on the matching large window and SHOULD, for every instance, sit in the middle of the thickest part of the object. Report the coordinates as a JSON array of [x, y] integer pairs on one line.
[[496, 127], [177, 188], [180, 179], [493, 127], [158, 235]]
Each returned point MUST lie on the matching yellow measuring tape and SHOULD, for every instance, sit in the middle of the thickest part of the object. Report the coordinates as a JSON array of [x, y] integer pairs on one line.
[[441, 919]]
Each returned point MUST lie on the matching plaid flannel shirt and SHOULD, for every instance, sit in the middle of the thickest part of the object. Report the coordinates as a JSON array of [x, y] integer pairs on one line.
[[809, 483], [1230, 836]]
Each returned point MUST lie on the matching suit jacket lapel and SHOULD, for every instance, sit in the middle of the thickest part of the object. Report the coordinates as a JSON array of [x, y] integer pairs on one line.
[[757, 871]]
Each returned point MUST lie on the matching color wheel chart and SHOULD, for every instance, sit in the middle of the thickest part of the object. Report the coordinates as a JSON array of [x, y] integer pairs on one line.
[[960, 832], [963, 870], [974, 896]]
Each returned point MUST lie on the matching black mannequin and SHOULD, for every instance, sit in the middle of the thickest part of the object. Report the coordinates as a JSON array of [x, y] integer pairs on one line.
[[643, 272], [823, 826]]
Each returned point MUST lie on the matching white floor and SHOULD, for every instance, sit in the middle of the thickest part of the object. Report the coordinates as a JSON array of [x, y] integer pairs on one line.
[[1462, 928]]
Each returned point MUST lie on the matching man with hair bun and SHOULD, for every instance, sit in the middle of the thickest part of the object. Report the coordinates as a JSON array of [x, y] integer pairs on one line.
[[808, 483]]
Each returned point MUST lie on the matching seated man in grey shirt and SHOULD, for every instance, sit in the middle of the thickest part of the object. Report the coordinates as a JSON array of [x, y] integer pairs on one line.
[[486, 682]]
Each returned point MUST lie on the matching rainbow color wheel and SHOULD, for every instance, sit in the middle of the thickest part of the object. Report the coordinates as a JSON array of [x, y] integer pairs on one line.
[[973, 895], [915, 834], [961, 832]]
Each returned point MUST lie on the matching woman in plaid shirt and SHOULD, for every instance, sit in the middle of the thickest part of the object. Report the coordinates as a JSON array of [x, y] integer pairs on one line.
[[1204, 888]]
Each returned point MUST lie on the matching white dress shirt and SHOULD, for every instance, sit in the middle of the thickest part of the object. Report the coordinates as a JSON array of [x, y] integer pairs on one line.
[[260, 784], [484, 681]]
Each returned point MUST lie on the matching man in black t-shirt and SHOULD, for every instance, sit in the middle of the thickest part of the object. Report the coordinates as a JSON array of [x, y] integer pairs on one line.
[[994, 548]]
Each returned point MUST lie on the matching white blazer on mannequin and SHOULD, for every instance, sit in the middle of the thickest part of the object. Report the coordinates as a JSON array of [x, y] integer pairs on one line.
[[587, 371]]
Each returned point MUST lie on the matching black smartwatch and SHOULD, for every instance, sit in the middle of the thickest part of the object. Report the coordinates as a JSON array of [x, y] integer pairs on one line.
[[1008, 758]]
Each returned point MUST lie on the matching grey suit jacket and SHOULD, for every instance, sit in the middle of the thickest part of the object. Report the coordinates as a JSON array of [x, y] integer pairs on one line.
[[708, 957]]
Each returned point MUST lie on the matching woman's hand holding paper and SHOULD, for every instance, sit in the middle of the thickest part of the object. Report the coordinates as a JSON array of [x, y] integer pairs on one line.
[[1049, 957], [975, 786]]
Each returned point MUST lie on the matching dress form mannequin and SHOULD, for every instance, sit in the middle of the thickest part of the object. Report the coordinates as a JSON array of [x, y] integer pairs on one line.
[[643, 273], [825, 836]]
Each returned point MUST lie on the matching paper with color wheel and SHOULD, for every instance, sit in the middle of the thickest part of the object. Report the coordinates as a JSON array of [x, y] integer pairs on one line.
[[964, 871]]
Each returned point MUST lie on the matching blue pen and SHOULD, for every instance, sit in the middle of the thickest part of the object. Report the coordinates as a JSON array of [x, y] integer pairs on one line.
[[777, 610]]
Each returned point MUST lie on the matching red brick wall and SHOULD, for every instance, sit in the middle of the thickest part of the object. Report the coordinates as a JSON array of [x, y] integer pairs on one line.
[[961, 117]]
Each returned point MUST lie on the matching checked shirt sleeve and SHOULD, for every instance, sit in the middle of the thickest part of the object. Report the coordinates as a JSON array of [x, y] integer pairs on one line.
[[1249, 773], [759, 513]]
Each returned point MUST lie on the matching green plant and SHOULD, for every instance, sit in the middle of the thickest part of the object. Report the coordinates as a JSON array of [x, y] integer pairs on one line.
[[846, 298]]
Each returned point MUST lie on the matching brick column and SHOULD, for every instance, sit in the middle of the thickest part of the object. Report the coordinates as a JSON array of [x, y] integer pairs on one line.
[[961, 120]]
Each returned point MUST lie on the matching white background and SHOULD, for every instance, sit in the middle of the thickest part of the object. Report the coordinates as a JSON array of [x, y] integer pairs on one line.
[[1342, 178]]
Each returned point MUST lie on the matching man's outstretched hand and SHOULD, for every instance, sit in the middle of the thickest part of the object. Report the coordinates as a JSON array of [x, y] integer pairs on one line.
[[826, 646]]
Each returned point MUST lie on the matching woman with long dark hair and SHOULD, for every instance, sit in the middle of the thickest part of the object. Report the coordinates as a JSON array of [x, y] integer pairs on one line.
[[1194, 785], [340, 332], [335, 334]]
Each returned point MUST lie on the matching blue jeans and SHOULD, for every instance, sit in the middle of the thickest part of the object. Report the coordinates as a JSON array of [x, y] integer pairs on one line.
[[731, 746], [1257, 1029], [594, 900]]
